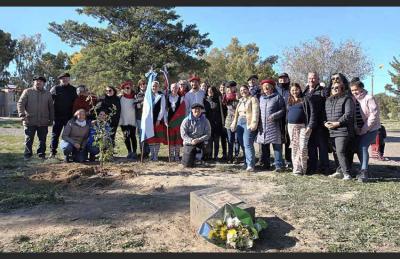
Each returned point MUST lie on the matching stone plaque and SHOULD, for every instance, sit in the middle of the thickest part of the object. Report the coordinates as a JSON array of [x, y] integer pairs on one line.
[[203, 203]]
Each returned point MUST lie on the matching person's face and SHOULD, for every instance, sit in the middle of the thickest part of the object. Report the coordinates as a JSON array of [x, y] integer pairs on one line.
[[336, 78], [81, 115], [222, 89], [268, 89], [64, 80], [196, 112], [38, 84], [210, 92], [355, 90], [127, 89], [295, 91], [182, 87], [337, 88], [142, 86], [252, 82], [283, 80], [83, 92], [203, 87], [244, 91], [109, 91], [102, 116], [194, 84], [154, 88], [312, 79], [174, 89]]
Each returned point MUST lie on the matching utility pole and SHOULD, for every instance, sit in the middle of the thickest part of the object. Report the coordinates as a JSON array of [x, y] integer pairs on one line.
[[372, 85]]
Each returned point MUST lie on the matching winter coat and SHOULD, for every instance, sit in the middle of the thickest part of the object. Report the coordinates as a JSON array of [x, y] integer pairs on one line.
[[369, 111], [230, 113], [84, 102], [340, 108], [213, 114], [128, 112], [138, 102], [271, 107], [193, 97], [195, 128], [106, 104], [93, 130], [75, 134], [64, 97], [318, 97], [36, 107], [252, 113]]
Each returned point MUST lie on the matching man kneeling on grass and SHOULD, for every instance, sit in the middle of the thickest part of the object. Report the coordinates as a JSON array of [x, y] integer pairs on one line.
[[195, 131]]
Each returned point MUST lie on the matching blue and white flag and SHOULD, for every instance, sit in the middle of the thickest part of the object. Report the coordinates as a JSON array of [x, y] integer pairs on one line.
[[147, 113]]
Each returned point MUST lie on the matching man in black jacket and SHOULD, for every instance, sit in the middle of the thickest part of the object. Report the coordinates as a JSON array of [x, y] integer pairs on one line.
[[64, 96], [318, 142]]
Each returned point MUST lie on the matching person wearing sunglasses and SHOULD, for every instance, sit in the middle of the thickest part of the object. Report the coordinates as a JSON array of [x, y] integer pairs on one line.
[[339, 120], [318, 142], [127, 120], [110, 103]]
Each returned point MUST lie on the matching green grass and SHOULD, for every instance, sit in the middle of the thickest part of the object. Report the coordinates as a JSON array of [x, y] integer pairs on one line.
[[10, 123], [364, 220], [391, 124]]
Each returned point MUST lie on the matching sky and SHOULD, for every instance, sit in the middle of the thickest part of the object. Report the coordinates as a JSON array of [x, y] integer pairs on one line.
[[272, 28]]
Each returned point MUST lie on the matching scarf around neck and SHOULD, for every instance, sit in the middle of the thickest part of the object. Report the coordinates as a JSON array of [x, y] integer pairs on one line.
[[81, 123]]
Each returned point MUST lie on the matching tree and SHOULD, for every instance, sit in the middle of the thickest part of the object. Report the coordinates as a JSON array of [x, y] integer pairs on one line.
[[395, 77], [52, 65], [322, 56], [7, 52], [28, 55], [133, 39], [388, 105], [237, 62]]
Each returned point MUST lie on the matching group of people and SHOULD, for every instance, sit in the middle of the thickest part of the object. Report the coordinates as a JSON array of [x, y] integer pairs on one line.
[[303, 124]]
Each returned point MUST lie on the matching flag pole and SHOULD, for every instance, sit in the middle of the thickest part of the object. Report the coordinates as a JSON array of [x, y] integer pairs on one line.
[[141, 156], [166, 84]]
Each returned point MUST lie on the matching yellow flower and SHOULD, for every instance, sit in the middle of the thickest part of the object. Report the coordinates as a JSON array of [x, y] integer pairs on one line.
[[211, 234], [232, 232]]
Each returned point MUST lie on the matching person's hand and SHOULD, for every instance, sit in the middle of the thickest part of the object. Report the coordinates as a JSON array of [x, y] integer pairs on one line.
[[77, 146], [308, 131], [335, 124], [166, 124], [253, 128], [157, 123], [328, 124], [195, 141], [270, 119], [232, 129]]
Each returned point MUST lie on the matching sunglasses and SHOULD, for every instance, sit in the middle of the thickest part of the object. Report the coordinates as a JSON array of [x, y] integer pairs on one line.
[[109, 90], [335, 78], [335, 88]]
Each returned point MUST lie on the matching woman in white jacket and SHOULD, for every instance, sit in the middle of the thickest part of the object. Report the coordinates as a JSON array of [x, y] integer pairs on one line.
[[127, 119]]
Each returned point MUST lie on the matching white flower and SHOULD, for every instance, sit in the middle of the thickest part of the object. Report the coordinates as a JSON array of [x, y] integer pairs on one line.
[[235, 221], [229, 222], [249, 243]]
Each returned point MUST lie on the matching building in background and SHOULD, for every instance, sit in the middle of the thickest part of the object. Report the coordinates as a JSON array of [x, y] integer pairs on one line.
[[8, 100]]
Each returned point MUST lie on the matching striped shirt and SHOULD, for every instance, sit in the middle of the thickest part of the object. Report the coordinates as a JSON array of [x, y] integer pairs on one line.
[[359, 119]]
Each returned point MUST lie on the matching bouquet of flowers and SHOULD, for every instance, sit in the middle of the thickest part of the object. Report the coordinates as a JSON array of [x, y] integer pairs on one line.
[[232, 227]]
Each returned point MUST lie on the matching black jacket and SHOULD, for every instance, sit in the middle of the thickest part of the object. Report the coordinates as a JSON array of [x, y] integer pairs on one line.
[[213, 114], [64, 97], [317, 97], [106, 104], [341, 109]]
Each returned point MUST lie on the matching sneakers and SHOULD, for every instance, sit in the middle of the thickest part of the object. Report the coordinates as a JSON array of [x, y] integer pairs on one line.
[[27, 158], [346, 177], [52, 155], [297, 173], [362, 177], [250, 169], [278, 170], [337, 175]]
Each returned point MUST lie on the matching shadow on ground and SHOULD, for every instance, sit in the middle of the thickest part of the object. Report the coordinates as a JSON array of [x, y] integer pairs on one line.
[[275, 235]]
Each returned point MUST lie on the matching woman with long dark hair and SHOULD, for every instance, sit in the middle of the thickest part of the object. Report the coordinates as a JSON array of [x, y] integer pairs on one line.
[[110, 103], [301, 121]]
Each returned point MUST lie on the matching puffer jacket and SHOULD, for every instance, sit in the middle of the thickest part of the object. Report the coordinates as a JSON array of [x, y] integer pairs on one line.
[[252, 113], [369, 111], [75, 134], [340, 108], [36, 107], [271, 107]]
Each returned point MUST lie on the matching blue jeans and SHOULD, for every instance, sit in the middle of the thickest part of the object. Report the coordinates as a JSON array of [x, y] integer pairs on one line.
[[265, 155], [246, 140], [365, 142], [69, 150], [233, 144]]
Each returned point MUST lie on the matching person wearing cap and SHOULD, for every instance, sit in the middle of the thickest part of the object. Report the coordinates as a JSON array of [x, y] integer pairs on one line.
[[195, 132], [84, 101], [230, 100], [36, 108], [245, 123], [283, 90], [195, 95], [254, 88], [272, 109], [64, 96], [318, 142]]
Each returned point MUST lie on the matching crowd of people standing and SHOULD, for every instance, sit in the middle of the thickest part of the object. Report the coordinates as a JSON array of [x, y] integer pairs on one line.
[[302, 124]]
